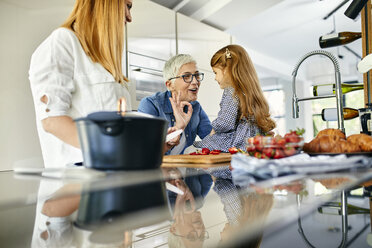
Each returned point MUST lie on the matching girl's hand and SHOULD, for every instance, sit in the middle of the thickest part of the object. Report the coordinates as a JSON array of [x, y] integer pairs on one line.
[[212, 132], [182, 118]]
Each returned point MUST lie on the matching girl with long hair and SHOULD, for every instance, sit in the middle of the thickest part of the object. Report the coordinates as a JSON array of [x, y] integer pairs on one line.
[[244, 111]]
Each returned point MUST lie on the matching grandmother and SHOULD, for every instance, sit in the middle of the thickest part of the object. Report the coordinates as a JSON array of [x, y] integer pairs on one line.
[[180, 107], [179, 103]]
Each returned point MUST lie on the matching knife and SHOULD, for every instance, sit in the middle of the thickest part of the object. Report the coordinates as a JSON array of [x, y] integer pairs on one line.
[[173, 135], [173, 188]]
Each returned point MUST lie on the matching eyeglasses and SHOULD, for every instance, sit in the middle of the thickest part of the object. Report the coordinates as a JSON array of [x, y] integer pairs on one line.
[[189, 77], [193, 236]]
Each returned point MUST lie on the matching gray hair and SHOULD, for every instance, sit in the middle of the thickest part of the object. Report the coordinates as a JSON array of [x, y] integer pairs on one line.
[[174, 64]]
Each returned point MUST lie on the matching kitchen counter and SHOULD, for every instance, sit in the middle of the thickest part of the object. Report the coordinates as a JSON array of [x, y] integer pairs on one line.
[[134, 208]]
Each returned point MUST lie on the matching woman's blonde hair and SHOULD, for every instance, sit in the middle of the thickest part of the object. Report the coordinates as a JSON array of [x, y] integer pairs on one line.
[[99, 25], [244, 80]]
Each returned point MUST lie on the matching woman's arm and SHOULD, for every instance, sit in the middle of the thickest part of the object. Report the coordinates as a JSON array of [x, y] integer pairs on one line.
[[64, 128], [51, 77]]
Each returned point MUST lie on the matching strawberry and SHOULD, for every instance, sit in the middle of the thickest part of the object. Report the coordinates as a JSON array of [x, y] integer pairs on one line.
[[280, 141], [251, 148], [279, 154], [269, 152], [257, 155], [233, 150], [263, 156], [292, 137], [289, 151], [215, 152], [258, 142], [205, 151]]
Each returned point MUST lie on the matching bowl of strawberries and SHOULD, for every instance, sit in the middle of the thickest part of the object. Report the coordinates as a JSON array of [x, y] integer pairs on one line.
[[275, 147]]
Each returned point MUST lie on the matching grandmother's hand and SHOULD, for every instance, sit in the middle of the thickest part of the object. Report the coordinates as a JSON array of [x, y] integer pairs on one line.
[[182, 118], [173, 142]]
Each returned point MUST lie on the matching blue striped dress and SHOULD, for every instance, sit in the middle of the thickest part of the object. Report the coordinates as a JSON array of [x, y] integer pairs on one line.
[[230, 130]]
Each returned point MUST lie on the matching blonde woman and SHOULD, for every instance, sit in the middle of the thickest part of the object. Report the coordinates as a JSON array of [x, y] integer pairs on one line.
[[244, 111], [78, 70]]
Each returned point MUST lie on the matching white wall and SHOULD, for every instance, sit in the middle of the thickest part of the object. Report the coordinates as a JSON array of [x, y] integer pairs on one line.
[[22, 29]]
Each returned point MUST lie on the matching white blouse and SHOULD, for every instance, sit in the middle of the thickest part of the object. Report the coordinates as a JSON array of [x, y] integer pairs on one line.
[[74, 86]]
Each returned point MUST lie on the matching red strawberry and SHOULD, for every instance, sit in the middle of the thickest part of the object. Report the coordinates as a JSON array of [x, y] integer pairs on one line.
[[269, 152], [233, 150], [215, 152], [289, 151], [279, 154], [251, 148], [257, 155], [206, 151]]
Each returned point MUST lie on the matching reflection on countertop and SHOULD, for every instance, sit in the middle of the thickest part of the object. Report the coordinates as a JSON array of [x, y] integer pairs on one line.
[[134, 209]]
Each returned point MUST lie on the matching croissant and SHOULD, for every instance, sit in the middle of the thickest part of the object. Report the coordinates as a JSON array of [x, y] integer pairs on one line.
[[312, 146], [334, 133], [334, 141], [346, 146], [364, 141], [327, 143]]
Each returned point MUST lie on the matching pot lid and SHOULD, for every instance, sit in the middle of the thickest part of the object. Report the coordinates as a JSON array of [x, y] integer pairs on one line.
[[103, 116]]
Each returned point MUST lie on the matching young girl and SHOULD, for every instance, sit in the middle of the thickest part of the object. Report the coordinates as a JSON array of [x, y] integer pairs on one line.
[[244, 112]]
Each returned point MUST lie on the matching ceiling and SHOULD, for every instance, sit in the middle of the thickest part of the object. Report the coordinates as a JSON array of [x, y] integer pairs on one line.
[[40, 4], [283, 30], [275, 32]]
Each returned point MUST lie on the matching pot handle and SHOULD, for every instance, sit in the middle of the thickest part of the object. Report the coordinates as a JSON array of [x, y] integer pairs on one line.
[[122, 106]]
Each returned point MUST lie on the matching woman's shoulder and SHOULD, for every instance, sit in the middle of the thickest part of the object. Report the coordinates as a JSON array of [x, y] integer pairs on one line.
[[59, 38], [63, 34], [158, 96], [155, 99]]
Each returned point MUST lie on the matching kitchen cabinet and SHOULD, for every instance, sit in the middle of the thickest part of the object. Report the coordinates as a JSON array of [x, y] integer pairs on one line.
[[153, 38], [151, 41]]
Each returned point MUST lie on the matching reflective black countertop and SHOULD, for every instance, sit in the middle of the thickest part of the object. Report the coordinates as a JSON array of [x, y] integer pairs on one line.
[[135, 209]]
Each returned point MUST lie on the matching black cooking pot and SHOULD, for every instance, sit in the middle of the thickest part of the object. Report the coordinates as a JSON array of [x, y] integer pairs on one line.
[[106, 206], [113, 141]]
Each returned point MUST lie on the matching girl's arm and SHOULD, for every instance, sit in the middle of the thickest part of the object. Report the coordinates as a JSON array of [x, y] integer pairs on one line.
[[205, 127], [228, 114]]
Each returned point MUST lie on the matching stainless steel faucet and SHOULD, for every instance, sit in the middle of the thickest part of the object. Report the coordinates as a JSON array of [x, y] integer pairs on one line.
[[338, 95]]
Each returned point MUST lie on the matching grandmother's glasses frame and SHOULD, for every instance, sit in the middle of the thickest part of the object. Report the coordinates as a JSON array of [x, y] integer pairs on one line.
[[187, 78]]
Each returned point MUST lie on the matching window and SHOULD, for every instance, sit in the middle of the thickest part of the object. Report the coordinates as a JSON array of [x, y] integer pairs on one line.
[[276, 100]]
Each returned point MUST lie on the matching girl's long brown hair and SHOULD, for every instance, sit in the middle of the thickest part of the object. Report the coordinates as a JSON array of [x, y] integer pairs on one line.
[[244, 80], [99, 25]]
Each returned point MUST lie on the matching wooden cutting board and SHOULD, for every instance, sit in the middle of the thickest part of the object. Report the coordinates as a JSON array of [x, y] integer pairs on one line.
[[197, 159]]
